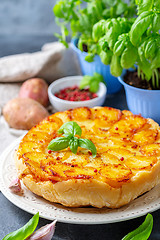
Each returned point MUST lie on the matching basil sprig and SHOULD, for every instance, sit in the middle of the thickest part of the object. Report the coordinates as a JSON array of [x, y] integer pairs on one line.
[[25, 231], [143, 231], [69, 139], [92, 81]]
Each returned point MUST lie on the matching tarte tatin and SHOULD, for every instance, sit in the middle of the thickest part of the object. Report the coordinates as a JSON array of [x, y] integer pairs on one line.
[[127, 162]]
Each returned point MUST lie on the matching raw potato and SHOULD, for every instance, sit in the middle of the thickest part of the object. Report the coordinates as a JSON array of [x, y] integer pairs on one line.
[[23, 113], [35, 88]]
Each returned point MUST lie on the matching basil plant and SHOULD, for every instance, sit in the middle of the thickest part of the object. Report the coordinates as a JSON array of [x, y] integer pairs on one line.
[[77, 17], [124, 43]]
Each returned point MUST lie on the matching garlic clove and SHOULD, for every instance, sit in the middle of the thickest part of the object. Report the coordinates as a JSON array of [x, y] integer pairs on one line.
[[44, 233], [15, 186]]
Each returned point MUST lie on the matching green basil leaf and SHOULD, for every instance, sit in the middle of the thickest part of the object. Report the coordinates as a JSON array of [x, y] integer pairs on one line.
[[137, 1], [156, 61], [156, 5], [119, 47], [89, 57], [58, 143], [58, 35], [99, 6], [150, 49], [75, 27], [68, 135], [140, 26], [94, 86], [130, 11], [93, 48], [85, 81], [141, 51], [126, 24], [98, 30], [102, 43], [111, 3], [64, 43], [106, 57], [95, 8], [106, 13], [73, 144], [105, 47], [144, 5], [92, 82], [70, 128], [115, 66], [65, 31], [58, 10], [156, 23], [98, 77], [143, 231], [85, 21], [121, 8], [86, 143], [113, 30], [126, 60], [80, 44], [25, 231], [145, 66]]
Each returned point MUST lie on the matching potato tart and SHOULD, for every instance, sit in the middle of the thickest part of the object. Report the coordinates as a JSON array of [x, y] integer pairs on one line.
[[127, 163]]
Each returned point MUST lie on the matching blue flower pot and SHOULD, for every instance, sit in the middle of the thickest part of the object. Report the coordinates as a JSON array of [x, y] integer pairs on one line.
[[142, 101], [87, 68]]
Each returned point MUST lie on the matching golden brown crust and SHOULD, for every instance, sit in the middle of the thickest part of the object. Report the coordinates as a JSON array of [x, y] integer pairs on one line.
[[127, 162]]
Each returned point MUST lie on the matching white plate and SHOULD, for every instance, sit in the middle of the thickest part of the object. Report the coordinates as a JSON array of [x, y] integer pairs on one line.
[[31, 203]]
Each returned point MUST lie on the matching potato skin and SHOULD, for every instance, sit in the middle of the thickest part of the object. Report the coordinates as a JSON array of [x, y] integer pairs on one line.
[[23, 113], [35, 88]]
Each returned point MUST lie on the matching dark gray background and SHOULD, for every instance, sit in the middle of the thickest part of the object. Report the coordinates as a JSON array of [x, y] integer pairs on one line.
[[25, 25]]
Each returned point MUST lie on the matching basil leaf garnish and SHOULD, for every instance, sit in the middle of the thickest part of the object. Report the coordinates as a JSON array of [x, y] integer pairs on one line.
[[86, 143], [70, 128], [25, 231], [58, 144], [73, 144], [68, 135]]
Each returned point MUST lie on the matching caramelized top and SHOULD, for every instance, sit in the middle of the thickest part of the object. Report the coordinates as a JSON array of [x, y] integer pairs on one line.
[[126, 144]]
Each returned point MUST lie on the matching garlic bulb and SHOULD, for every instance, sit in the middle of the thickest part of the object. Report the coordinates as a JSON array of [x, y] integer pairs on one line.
[[44, 233], [15, 186]]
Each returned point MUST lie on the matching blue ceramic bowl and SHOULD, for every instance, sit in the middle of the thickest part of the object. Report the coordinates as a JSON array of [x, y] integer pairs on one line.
[[87, 68], [142, 101]]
